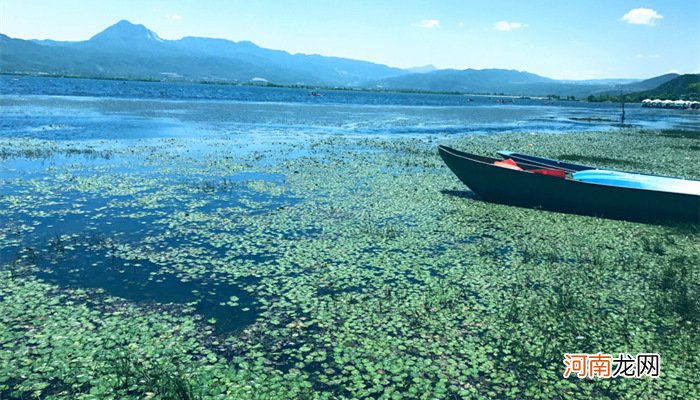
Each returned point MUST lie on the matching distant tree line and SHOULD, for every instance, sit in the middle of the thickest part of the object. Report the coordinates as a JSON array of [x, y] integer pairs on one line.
[[627, 98], [638, 97]]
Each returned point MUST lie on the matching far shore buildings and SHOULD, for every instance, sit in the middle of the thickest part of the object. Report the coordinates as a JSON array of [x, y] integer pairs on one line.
[[681, 104]]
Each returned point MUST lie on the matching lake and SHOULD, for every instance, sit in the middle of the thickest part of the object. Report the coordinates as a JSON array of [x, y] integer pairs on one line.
[[84, 109], [256, 242]]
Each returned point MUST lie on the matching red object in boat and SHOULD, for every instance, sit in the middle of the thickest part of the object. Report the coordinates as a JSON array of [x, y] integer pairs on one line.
[[551, 172], [509, 163]]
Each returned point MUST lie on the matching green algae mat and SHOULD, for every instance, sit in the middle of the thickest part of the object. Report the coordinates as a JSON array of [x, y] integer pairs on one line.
[[331, 267]]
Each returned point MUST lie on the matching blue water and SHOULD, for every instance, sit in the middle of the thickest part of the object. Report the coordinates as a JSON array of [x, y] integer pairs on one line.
[[65, 108]]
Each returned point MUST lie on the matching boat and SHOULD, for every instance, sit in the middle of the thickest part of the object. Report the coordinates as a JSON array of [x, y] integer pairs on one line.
[[527, 184], [572, 168], [610, 176]]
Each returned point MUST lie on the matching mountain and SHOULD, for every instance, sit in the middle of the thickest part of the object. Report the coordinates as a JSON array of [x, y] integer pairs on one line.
[[649, 84], [486, 81], [469, 80], [133, 51], [681, 87], [640, 85], [422, 70], [126, 50], [608, 82], [678, 87], [125, 34]]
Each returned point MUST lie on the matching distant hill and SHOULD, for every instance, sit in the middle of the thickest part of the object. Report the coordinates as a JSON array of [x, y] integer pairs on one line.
[[129, 51], [503, 81], [648, 84], [607, 82], [638, 86], [685, 87], [461, 80], [679, 87], [422, 70], [133, 51]]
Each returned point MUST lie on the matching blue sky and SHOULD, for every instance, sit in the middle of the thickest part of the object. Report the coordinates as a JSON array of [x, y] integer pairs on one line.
[[577, 39]]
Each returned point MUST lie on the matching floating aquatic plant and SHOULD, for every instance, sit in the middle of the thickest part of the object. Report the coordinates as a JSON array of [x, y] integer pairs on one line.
[[343, 267]]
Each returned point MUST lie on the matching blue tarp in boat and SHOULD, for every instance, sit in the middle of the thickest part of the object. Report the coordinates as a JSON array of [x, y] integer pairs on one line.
[[649, 182]]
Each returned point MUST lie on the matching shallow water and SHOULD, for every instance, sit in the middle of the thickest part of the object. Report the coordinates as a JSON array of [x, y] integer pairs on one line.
[[88, 109], [157, 145], [245, 235]]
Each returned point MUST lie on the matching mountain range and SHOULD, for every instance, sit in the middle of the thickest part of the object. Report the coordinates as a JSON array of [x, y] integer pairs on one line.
[[131, 51]]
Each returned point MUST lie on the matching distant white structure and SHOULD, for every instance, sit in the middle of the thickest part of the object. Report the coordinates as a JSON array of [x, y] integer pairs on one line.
[[680, 104]]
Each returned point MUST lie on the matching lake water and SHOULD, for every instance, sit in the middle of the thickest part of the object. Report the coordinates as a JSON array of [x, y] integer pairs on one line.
[[51, 108], [282, 224], [58, 118]]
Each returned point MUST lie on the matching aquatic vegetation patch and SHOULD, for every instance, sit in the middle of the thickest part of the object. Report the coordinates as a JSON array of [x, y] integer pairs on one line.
[[359, 268], [592, 119], [44, 149], [679, 133]]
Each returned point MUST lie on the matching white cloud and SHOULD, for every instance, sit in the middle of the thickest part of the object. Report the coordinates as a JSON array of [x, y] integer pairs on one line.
[[506, 26], [174, 16], [460, 24], [642, 16], [428, 23]]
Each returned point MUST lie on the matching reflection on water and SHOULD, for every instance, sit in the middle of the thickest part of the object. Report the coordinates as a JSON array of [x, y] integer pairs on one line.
[[110, 242]]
